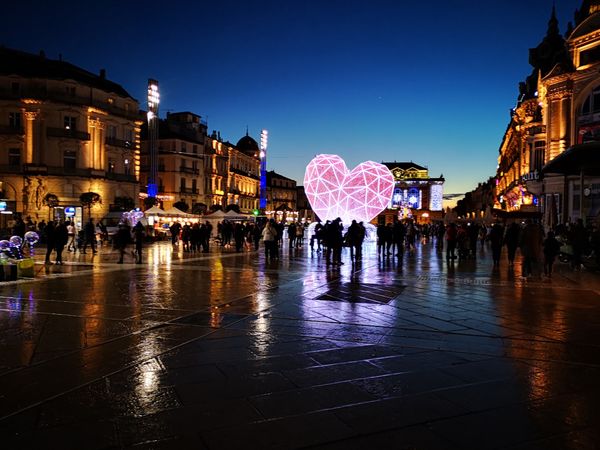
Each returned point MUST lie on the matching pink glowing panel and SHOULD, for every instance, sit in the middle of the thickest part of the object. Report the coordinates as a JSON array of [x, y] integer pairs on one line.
[[359, 195]]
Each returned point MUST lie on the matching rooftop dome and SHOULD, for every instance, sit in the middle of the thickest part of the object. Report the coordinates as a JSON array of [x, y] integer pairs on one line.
[[248, 145]]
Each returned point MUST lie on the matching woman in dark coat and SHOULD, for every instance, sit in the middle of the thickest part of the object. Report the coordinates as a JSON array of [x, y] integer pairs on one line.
[[511, 239], [62, 237], [122, 239], [50, 232], [496, 237]]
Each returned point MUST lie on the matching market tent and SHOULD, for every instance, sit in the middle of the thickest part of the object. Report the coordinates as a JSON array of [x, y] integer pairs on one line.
[[154, 211], [217, 215], [232, 215], [175, 212]]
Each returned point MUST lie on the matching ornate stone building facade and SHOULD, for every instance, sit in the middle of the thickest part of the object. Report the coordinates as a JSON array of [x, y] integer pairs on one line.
[[281, 197], [200, 170], [558, 109], [64, 131], [416, 195], [244, 175], [182, 160]]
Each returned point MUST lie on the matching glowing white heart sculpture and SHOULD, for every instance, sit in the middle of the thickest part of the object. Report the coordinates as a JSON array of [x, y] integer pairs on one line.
[[359, 195]]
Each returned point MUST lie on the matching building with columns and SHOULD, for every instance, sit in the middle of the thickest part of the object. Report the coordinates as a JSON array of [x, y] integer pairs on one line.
[[547, 150], [416, 195], [182, 161], [281, 197], [202, 171], [64, 131], [244, 175]]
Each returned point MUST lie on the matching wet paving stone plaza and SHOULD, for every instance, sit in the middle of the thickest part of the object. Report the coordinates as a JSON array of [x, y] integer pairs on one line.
[[227, 351]]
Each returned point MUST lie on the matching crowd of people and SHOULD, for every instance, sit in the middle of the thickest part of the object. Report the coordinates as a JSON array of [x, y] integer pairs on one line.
[[458, 241], [58, 234]]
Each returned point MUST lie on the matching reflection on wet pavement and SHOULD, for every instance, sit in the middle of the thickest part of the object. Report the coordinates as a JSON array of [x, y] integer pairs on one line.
[[230, 351]]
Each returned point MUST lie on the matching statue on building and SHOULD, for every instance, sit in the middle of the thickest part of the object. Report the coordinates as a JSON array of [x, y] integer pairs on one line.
[[40, 193], [26, 194]]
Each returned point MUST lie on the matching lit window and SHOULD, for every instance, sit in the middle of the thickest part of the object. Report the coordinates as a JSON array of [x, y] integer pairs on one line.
[[70, 123]]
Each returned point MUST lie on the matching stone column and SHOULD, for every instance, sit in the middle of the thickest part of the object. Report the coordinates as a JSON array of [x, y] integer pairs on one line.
[[87, 160], [101, 146], [97, 148], [30, 141]]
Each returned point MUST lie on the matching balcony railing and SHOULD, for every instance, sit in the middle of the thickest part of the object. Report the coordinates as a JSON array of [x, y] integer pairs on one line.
[[41, 93], [35, 169], [147, 169], [118, 142], [42, 169], [191, 170], [128, 178], [7, 129], [186, 190], [66, 133], [7, 168]]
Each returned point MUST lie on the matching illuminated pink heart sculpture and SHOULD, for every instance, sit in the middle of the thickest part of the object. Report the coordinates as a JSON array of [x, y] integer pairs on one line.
[[358, 195]]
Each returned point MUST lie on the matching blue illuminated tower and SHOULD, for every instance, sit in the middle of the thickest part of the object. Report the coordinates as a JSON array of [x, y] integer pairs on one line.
[[264, 136], [153, 101]]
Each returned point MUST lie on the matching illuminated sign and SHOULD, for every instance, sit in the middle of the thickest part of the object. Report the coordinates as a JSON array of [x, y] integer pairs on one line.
[[2, 206], [70, 211], [359, 195]]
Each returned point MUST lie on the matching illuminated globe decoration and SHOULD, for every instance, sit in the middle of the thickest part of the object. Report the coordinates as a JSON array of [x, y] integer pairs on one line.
[[15, 243], [32, 238], [5, 247], [132, 217], [359, 195]]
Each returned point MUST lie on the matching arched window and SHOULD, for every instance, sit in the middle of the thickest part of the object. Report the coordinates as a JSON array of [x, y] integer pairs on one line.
[[592, 103]]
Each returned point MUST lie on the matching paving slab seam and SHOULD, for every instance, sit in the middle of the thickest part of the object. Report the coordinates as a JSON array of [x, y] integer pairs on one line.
[[94, 380], [63, 275], [336, 409], [108, 341], [44, 313], [117, 305]]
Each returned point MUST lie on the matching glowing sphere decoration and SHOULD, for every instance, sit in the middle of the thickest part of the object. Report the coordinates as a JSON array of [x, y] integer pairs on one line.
[[132, 217], [32, 238], [4, 245], [15, 243], [334, 191]]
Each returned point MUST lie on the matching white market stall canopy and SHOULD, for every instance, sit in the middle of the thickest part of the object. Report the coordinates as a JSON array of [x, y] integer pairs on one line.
[[229, 215], [174, 212], [169, 213], [154, 211], [217, 215], [232, 215]]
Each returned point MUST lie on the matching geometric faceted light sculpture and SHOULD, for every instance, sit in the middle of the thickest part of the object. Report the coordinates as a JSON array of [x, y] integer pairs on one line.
[[359, 195]]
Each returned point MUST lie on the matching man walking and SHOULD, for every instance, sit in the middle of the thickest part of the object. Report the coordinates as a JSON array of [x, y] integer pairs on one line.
[[138, 236], [89, 234]]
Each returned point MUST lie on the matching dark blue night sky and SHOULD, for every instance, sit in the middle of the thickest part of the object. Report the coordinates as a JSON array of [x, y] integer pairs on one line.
[[427, 81]]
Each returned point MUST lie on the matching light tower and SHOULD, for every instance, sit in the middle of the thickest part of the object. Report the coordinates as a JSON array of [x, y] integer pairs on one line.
[[264, 137], [153, 101]]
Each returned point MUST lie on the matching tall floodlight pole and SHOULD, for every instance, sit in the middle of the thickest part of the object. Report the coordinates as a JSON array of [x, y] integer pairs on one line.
[[153, 101], [264, 137]]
